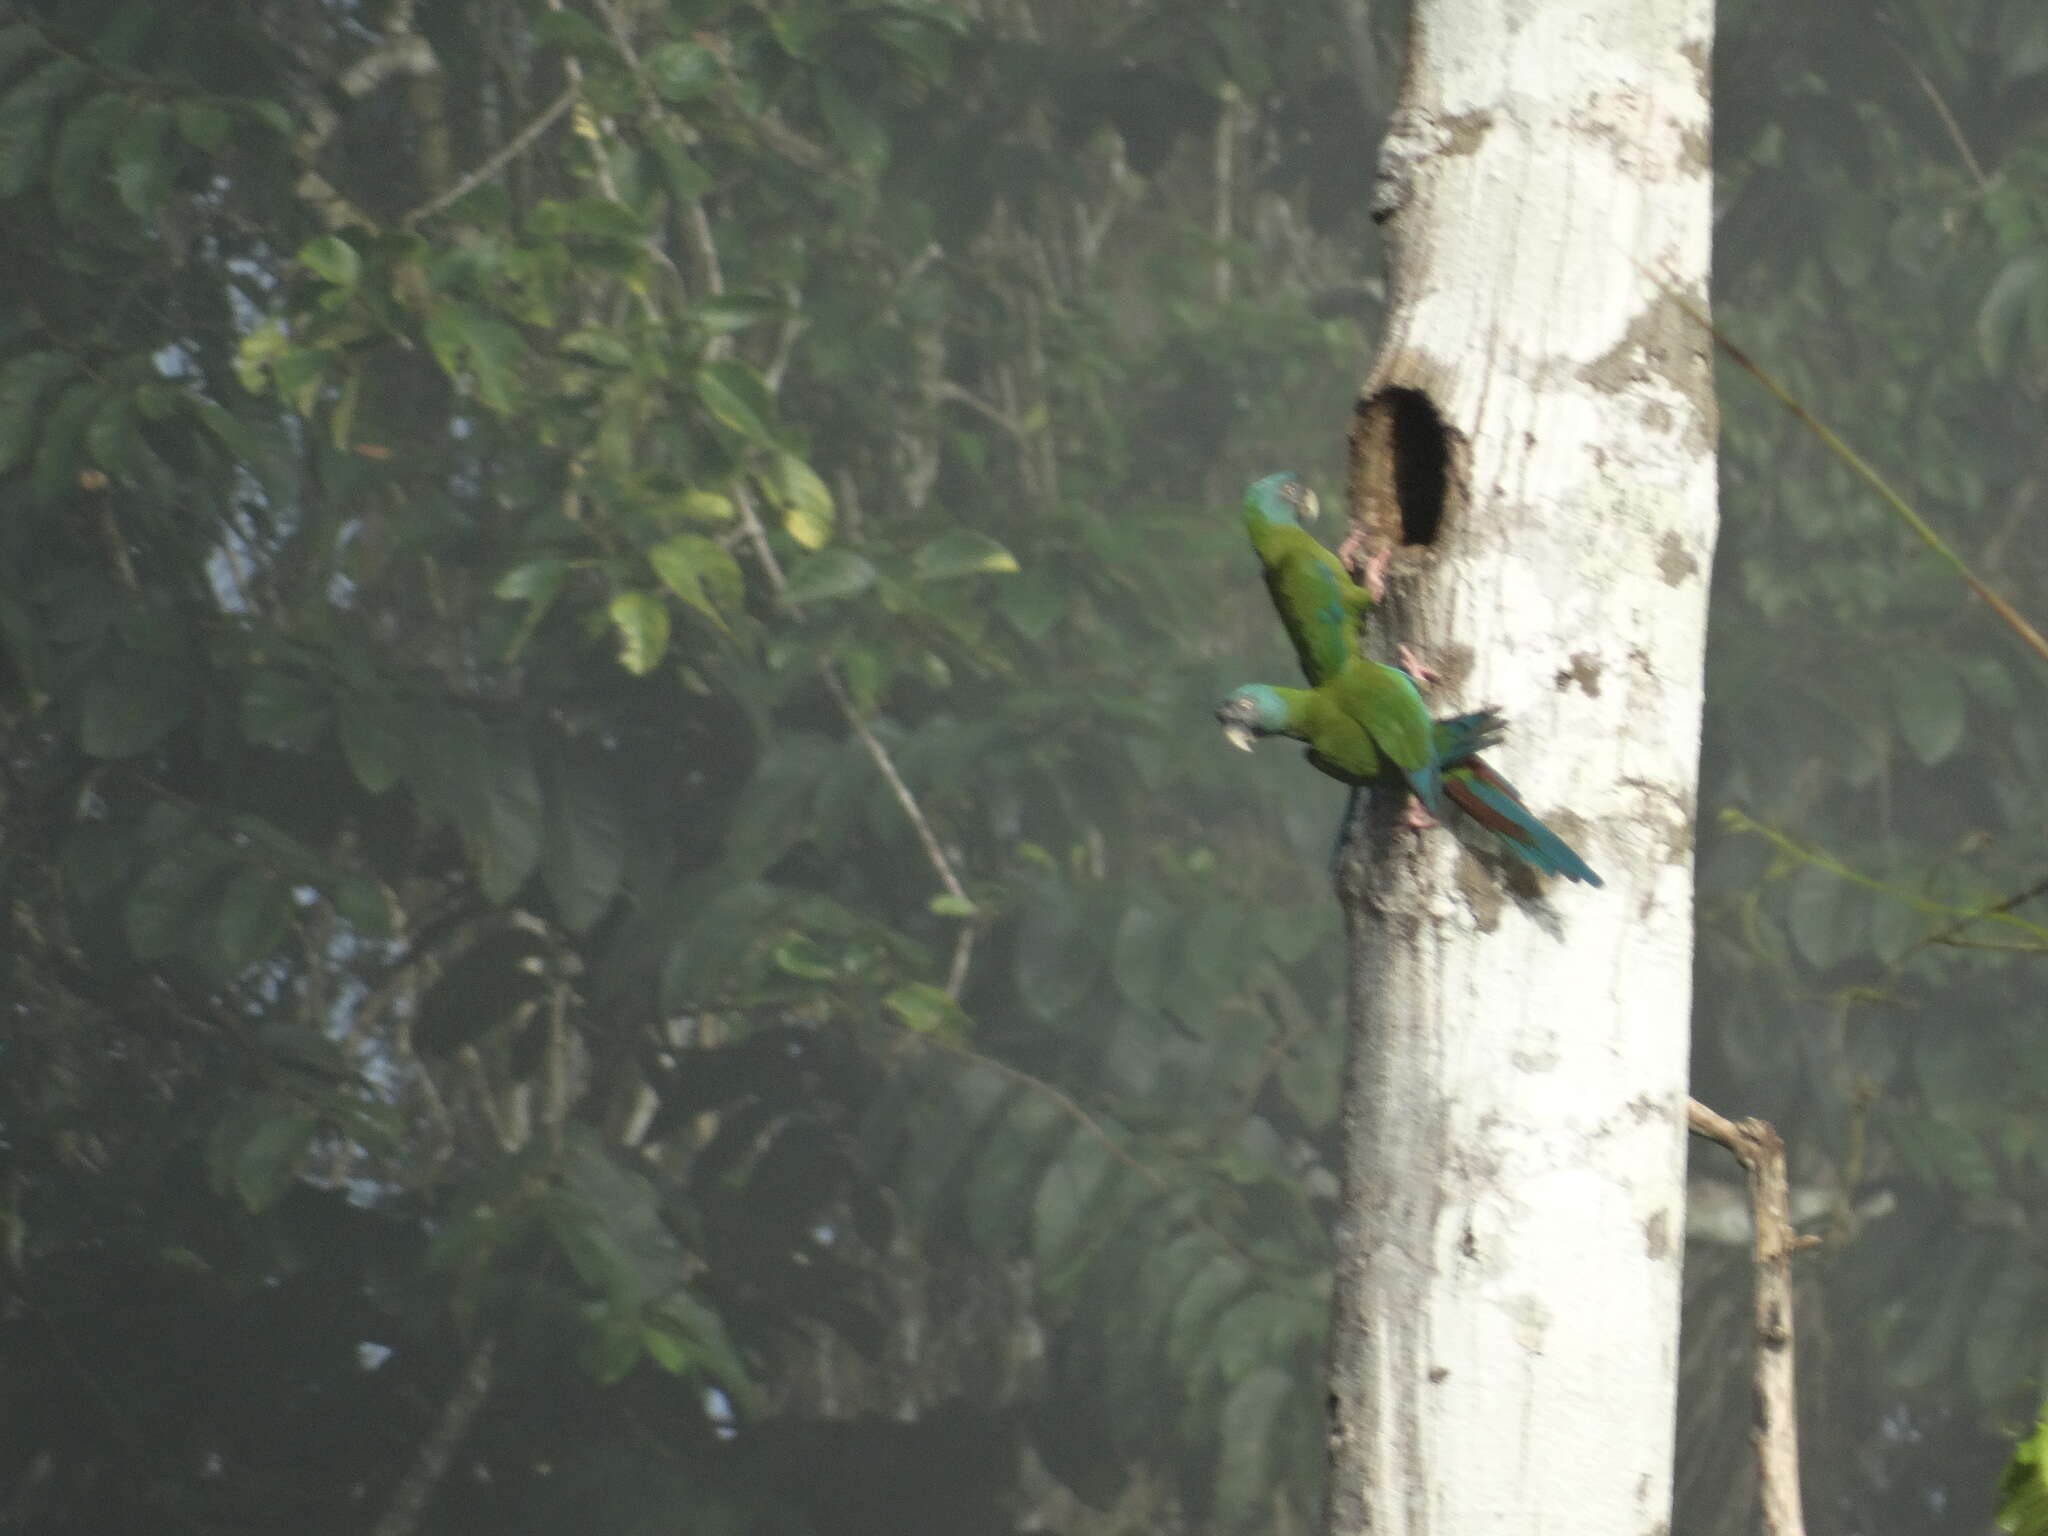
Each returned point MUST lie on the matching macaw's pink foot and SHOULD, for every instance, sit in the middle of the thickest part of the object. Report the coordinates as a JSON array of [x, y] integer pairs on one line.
[[1416, 819], [1413, 665], [1369, 571]]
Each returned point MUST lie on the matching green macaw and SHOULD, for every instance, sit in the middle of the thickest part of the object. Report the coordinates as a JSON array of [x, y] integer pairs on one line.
[[1334, 720], [1377, 710], [1318, 602]]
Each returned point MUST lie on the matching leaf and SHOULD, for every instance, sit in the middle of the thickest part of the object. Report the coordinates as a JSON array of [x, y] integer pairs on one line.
[[505, 831], [598, 220], [22, 383], [641, 620], [1811, 908], [701, 571], [202, 123], [1056, 955], [536, 583], [681, 71], [946, 904], [2023, 1491], [1066, 1195], [108, 436], [693, 507], [25, 122], [461, 337], [283, 711], [1141, 954], [253, 913], [142, 167], [371, 739], [723, 313], [690, 1319], [806, 504], [332, 258], [1244, 1436], [269, 1149], [963, 552], [363, 904], [129, 705], [78, 183], [584, 856], [2002, 1351], [827, 575], [160, 907], [2006, 303], [1929, 703], [737, 398], [1033, 603], [852, 124], [1195, 1309], [805, 958], [568, 32], [928, 1010], [56, 463]]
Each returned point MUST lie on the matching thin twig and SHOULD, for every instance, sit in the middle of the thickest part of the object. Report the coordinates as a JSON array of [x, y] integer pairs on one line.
[[933, 850], [1951, 934], [409, 1500], [1948, 118], [757, 536], [1870, 477], [1775, 1401], [495, 162]]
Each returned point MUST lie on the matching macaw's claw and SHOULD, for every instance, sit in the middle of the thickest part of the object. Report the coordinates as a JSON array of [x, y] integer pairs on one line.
[[1416, 819], [1414, 666], [1370, 571]]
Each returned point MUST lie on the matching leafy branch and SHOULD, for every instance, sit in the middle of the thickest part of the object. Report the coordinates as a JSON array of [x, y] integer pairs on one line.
[[1958, 918]]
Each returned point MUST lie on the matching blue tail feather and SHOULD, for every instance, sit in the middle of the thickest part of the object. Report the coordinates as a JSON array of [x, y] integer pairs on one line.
[[1520, 829]]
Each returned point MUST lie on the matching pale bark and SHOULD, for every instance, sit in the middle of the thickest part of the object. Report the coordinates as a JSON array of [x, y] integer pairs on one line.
[[1505, 1340]]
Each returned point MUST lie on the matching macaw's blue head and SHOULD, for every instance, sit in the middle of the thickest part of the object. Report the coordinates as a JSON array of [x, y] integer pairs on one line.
[[1253, 711], [1282, 498]]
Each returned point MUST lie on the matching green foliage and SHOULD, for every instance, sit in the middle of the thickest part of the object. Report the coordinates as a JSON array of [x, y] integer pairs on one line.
[[456, 907], [2023, 1495], [1868, 935]]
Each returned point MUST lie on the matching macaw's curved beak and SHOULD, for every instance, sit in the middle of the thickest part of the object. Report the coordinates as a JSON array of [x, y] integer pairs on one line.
[[1239, 735], [1308, 507]]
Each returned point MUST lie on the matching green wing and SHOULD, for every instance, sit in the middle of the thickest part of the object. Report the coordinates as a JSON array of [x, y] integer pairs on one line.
[[1385, 701], [1319, 604]]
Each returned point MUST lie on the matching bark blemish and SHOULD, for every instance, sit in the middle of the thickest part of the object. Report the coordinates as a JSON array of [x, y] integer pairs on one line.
[[1465, 131], [1545, 1060], [1585, 671], [1439, 1373], [1531, 1321], [1662, 344], [1657, 1235], [1675, 562], [1481, 894], [1678, 840], [1695, 151], [1694, 52]]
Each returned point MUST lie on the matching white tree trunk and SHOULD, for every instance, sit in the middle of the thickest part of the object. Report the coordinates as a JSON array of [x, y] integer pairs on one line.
[[1539, 430]]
